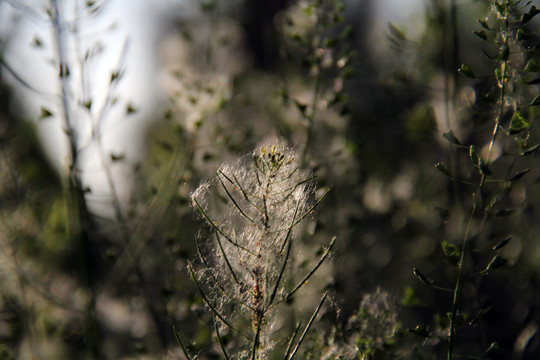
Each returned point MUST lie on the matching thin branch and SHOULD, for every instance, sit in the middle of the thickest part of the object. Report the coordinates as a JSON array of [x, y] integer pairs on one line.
[[291, 341], [212, 307], [234, 201], [182, 346], [220, 340], [217, 282], [280, 276], [313, 207], [308, 326], [213, 225], [308, 276]]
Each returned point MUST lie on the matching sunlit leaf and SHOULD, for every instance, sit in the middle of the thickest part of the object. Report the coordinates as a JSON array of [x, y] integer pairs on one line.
[[518, 123], [450, 249]]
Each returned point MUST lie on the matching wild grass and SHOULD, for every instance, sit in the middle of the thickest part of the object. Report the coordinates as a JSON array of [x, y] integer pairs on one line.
[[285, 212]]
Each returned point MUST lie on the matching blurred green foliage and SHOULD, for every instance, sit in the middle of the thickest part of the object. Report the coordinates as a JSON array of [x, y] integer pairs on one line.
[[371, 120]]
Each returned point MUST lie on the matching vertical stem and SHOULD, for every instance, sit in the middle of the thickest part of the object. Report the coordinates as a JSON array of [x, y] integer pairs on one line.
[[79, 219], [478, 196]]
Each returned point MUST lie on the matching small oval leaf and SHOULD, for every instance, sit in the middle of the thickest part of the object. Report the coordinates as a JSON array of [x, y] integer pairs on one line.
[[442, 169], [519, 175], [502, 243], [466, 71], [451, 138]]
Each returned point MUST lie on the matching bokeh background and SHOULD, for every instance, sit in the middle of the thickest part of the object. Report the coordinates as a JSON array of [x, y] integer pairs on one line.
[[176, 88]]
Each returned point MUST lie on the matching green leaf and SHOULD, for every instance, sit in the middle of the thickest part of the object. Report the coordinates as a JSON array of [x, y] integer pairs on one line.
[[530, 150], [37, 42], [495, 263], [501, 8], [450, 249], [473, 155], [502, 243], [422, 277], [87, 104], [480, 314], [130, 109], [518, 122], [451, 138], [526, 17], [536, 101], [420, 330], [409, 297], [44, 113], [492, 349], [117, 157], [116, 76], [484, 24], [442, 169], [64, 71], [532, 66], [481, 34], [466, 71], [519, 175], [477, 160], [452, 252]]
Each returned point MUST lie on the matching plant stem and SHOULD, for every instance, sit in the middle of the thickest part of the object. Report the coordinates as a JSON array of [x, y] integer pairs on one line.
[[476, 198]]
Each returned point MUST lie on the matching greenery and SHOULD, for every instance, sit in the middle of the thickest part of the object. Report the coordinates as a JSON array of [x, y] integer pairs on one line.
[[307, 191]]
